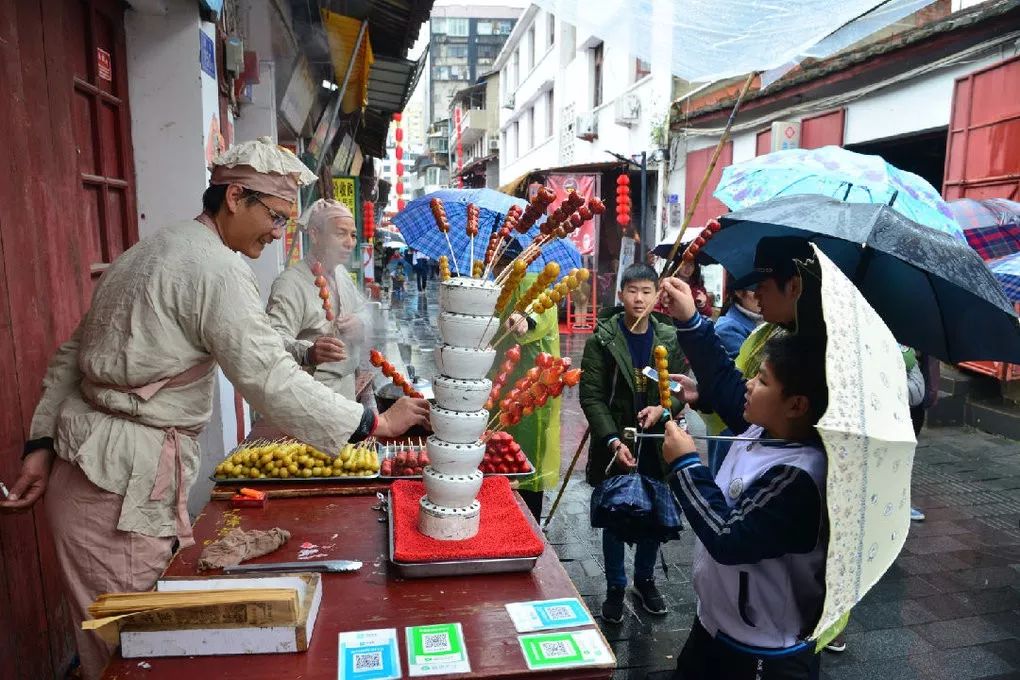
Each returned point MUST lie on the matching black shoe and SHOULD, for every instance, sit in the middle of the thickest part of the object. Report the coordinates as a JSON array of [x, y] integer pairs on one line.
[[612, 608], [650, 597]]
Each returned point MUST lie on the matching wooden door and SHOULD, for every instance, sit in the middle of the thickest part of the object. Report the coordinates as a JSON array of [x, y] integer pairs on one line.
[[66, 187]]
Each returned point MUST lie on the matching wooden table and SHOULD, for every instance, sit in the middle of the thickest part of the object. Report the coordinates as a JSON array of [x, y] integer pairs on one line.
[[347, 527]]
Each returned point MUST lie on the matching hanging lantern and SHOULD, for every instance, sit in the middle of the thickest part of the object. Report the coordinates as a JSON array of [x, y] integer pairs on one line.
[[623, 203], [400, 169], [399, 134], [399, 187], [399, 153], [397, 116], [400, 204], [368, 220]]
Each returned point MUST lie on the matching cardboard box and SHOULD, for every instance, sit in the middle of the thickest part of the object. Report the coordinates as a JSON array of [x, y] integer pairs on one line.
[[147, 641]]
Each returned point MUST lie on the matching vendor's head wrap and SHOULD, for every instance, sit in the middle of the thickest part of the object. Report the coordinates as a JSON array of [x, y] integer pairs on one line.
[[323, 211], [263, 166]]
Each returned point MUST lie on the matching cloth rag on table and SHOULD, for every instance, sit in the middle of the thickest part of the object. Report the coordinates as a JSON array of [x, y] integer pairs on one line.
[[240, 545]]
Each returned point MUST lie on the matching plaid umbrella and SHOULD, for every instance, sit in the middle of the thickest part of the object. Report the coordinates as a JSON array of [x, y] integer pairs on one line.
[[419, 229], [837, 173], [991, 225], [1007, 271]]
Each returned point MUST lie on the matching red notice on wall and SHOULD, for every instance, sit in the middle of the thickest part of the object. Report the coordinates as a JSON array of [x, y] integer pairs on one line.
[[104, 65]]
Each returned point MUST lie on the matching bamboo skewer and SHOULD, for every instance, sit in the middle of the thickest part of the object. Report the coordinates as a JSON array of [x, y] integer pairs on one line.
[[670, 267]]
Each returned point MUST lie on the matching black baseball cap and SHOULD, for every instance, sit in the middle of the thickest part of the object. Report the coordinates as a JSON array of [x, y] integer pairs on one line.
[[775, 257]]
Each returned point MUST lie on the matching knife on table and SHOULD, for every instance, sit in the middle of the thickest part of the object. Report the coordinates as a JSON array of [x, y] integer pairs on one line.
[[329, 566]]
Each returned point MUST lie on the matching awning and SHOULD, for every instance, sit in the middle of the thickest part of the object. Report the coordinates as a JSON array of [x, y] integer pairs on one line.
[[391, 81], [342, 34]]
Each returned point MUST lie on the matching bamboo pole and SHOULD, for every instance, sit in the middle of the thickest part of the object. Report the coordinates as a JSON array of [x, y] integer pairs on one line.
[[670, 268], [566, 478]]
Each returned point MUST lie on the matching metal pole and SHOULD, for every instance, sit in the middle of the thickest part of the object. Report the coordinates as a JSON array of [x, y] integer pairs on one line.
[[643, 232]]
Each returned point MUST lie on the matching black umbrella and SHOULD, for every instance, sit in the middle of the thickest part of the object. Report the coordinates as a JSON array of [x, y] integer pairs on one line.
[[934, 292]]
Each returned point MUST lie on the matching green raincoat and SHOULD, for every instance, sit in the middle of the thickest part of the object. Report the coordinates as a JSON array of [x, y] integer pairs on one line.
[[539, 433]]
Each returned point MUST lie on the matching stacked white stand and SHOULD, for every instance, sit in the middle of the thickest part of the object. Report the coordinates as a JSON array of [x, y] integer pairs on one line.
[[449, 509]]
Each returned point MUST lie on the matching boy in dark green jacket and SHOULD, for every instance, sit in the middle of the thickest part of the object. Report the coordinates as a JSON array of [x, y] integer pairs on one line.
[[615, 394]]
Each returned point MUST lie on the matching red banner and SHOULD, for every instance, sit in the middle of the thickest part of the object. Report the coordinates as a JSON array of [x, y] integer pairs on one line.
[[583, 238]]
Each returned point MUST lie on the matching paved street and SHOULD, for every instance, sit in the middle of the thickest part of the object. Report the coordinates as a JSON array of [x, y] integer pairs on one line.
[[949, 607]]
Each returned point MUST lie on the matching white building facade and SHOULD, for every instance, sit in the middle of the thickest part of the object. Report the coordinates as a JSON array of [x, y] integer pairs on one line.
[[569, 99]]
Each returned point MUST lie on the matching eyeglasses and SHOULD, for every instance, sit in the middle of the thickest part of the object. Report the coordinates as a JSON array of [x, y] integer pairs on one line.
[[279, 221]]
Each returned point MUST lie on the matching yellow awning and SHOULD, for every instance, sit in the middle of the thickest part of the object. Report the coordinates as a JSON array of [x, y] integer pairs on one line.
[[342, 35]]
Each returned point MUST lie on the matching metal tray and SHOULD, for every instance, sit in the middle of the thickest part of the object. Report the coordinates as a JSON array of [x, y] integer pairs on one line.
[[387, 452], [289, 480], [453, 567]]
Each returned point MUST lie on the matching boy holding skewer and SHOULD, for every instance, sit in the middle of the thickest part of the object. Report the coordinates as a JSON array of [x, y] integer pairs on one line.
[[761, 520], [615, 394]]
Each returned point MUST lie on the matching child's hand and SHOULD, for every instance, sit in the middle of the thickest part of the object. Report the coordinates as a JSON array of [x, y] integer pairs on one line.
[[678, 443], [624, 458], [517, 324], [689, 385], [677, 298], [649, 416]]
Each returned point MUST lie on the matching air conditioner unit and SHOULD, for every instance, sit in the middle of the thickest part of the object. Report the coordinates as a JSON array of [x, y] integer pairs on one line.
[[508, 102], [493, 145], [628, 110], [587, 127]]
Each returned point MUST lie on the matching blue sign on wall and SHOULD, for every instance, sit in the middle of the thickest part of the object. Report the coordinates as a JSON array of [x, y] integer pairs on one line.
[[207, 54]]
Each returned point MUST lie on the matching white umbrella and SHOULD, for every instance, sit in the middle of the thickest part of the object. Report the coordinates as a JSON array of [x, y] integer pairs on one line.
[[869, 442]]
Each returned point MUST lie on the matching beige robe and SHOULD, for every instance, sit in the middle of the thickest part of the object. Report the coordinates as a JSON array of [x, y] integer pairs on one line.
[[170, 302], [295, 311]]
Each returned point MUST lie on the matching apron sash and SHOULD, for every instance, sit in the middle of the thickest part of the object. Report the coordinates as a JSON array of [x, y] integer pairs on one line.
[[170, 464]]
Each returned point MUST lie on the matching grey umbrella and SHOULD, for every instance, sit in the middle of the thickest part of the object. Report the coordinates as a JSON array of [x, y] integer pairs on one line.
[[934, 292]]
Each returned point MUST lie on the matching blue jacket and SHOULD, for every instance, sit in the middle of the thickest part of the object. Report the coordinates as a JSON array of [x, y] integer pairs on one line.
[[733, 327], [772, 521]]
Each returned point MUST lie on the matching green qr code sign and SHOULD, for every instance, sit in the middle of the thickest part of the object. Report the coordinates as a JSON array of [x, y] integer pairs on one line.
[[438, 640], [552, 649]]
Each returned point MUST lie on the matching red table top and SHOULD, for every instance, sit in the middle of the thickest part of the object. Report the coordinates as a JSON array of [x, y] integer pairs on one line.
[[346, 527]]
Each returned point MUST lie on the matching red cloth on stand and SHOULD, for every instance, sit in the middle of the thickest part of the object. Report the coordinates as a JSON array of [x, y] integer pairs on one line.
[[503, 531]]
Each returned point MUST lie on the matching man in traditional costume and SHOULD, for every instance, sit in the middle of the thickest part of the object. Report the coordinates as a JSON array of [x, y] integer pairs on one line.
[[330, 349], [113, 438]]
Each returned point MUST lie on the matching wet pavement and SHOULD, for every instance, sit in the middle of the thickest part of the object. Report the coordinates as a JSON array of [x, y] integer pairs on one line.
[[949, 608]]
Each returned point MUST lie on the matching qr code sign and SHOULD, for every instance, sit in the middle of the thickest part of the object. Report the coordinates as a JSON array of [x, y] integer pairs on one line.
[[559, 613], [368, 661], [555, 649], [434, 643]]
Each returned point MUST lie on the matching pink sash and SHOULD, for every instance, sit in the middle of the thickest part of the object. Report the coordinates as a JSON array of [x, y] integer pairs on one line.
[[170, 464]]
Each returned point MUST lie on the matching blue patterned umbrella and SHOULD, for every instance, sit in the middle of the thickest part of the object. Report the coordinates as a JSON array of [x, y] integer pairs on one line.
[[837, 173], [421, 233]]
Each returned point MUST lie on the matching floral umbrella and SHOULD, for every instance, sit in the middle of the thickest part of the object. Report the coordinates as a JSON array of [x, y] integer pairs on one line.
[[869, 442], [837, 173]]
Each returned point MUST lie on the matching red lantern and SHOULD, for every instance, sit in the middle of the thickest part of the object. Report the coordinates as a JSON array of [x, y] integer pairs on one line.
[[400, 153], [399, 134], [400, 169], [397, 116], [399, 187], [622, 180], [400, 204]]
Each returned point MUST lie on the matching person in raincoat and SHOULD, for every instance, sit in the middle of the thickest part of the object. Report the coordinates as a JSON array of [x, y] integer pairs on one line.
[[113, 439], [330, 349], [538, 434]]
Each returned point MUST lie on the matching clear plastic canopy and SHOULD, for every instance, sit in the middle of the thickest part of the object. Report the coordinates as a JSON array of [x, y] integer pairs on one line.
[[714, 39]]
